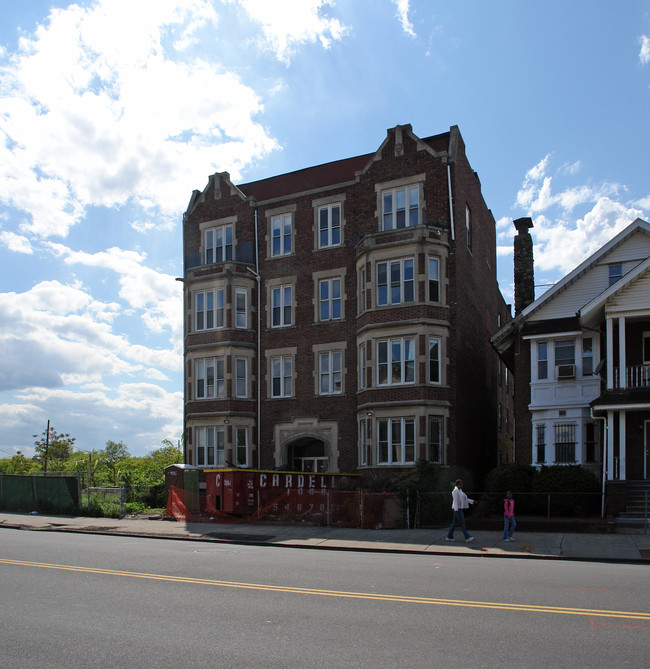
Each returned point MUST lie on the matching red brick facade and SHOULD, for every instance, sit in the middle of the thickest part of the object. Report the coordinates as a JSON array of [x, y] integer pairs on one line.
[[348, 251]]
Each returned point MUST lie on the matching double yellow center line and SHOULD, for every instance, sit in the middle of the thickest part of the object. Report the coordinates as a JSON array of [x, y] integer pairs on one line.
[[432, 601]]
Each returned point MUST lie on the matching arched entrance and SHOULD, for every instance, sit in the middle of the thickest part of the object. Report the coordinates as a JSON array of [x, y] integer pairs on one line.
[[307, 454]]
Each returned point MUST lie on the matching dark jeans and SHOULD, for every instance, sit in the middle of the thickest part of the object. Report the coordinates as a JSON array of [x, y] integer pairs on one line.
[[459, 517]]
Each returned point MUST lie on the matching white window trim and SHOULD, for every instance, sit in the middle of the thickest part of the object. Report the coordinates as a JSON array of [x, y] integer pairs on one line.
[[435, 280], [282, 289], [239, 379], [239, 429], [281, 359], [203, 377], [389, 433], [331, 373], [330, 300], [330, 227], [438, 340], [402, 280], [239, 292], [219, 436], [392, 191], [390, 362], [217, 311]]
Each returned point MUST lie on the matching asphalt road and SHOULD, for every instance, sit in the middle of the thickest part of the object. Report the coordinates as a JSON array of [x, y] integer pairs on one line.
[[70, 600]]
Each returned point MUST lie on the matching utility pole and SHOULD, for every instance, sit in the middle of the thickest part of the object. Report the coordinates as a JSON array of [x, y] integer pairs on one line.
[[47, 447]]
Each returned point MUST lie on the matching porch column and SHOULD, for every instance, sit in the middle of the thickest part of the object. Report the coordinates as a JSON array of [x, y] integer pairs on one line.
[[609, 445], [621, 445], [622, 376], [610, 353]]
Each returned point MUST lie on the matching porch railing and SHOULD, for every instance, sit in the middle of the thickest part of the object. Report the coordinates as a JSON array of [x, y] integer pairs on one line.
[[636, 376]]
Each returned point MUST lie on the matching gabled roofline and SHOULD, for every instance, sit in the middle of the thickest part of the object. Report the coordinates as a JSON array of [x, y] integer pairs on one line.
[[572, 276], [625, 281], [216, 179]]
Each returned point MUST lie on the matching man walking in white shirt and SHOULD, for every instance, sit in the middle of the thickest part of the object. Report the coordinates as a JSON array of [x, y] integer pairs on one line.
[[460, 501]]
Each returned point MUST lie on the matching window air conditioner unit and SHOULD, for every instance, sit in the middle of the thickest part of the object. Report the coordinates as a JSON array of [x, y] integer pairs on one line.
[[566, 371]]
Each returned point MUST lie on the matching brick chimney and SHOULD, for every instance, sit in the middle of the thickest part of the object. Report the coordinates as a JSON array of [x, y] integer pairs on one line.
[[523, 262]]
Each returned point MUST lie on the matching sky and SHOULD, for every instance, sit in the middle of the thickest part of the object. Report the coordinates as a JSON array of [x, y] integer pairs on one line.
[[113, 111]]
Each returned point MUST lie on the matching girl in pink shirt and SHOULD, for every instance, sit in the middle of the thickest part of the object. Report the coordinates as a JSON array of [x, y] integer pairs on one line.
[[509, 522]]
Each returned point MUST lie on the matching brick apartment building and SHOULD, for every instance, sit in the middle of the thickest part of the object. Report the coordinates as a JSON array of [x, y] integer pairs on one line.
[[338, 318]]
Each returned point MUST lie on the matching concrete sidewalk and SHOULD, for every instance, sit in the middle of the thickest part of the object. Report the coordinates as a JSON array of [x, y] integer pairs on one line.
[[633, 546]]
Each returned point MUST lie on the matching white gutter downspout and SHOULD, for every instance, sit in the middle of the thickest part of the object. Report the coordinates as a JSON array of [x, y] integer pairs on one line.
[[451, 205]]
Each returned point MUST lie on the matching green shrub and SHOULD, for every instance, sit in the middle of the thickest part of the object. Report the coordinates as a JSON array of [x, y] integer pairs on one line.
[[516, 477], [574, 490], [428, 486]]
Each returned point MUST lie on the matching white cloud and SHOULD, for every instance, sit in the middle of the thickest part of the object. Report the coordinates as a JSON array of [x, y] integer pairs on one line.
[[17, 243], [286, 24], [570, 224], [93, 119], [403, 16], [156, 294], [644, 54]]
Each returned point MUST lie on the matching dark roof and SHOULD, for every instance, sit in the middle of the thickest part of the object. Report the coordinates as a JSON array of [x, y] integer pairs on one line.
[[321, 176], [626, 396], [570, 324], [310, 178]]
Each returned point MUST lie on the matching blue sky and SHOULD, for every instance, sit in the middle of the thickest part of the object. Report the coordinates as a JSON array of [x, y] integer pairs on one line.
[[113, 111]]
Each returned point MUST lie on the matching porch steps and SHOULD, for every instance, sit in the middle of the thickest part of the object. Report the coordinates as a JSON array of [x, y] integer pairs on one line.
[[636, 494]]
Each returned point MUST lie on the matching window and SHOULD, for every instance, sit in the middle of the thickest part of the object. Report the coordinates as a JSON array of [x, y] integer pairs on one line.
[[395, 361], [590, 442], [329, 225], [541, 443], [395, 281], [281, 376], [281, 235], [587, 356], [240, 378], [209, 378], [209, 309], [565, 442], [436, 454], [565, 352], [330, 299], [363, 460], [542, 360], [468, 226], [362, 289], [362, 366], [395, 441], [281, 298], [400, 208], [646, 348], [615, 273], [241, 315], [434, 360], [241, 436], [329, 373], [210, 446], [218, 244], [434, 280]]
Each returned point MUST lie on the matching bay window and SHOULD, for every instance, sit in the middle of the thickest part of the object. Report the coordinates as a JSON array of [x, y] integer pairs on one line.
[[395, 441]]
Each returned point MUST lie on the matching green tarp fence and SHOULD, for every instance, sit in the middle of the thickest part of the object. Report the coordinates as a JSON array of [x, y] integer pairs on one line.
[[38, 493]]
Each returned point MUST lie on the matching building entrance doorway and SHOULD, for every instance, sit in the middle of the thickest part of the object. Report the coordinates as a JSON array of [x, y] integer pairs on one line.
[[308, 455]]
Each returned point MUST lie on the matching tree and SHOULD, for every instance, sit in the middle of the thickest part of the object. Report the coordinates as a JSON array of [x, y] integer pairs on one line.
[[113, 454], [53, 447], [20, 464]]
